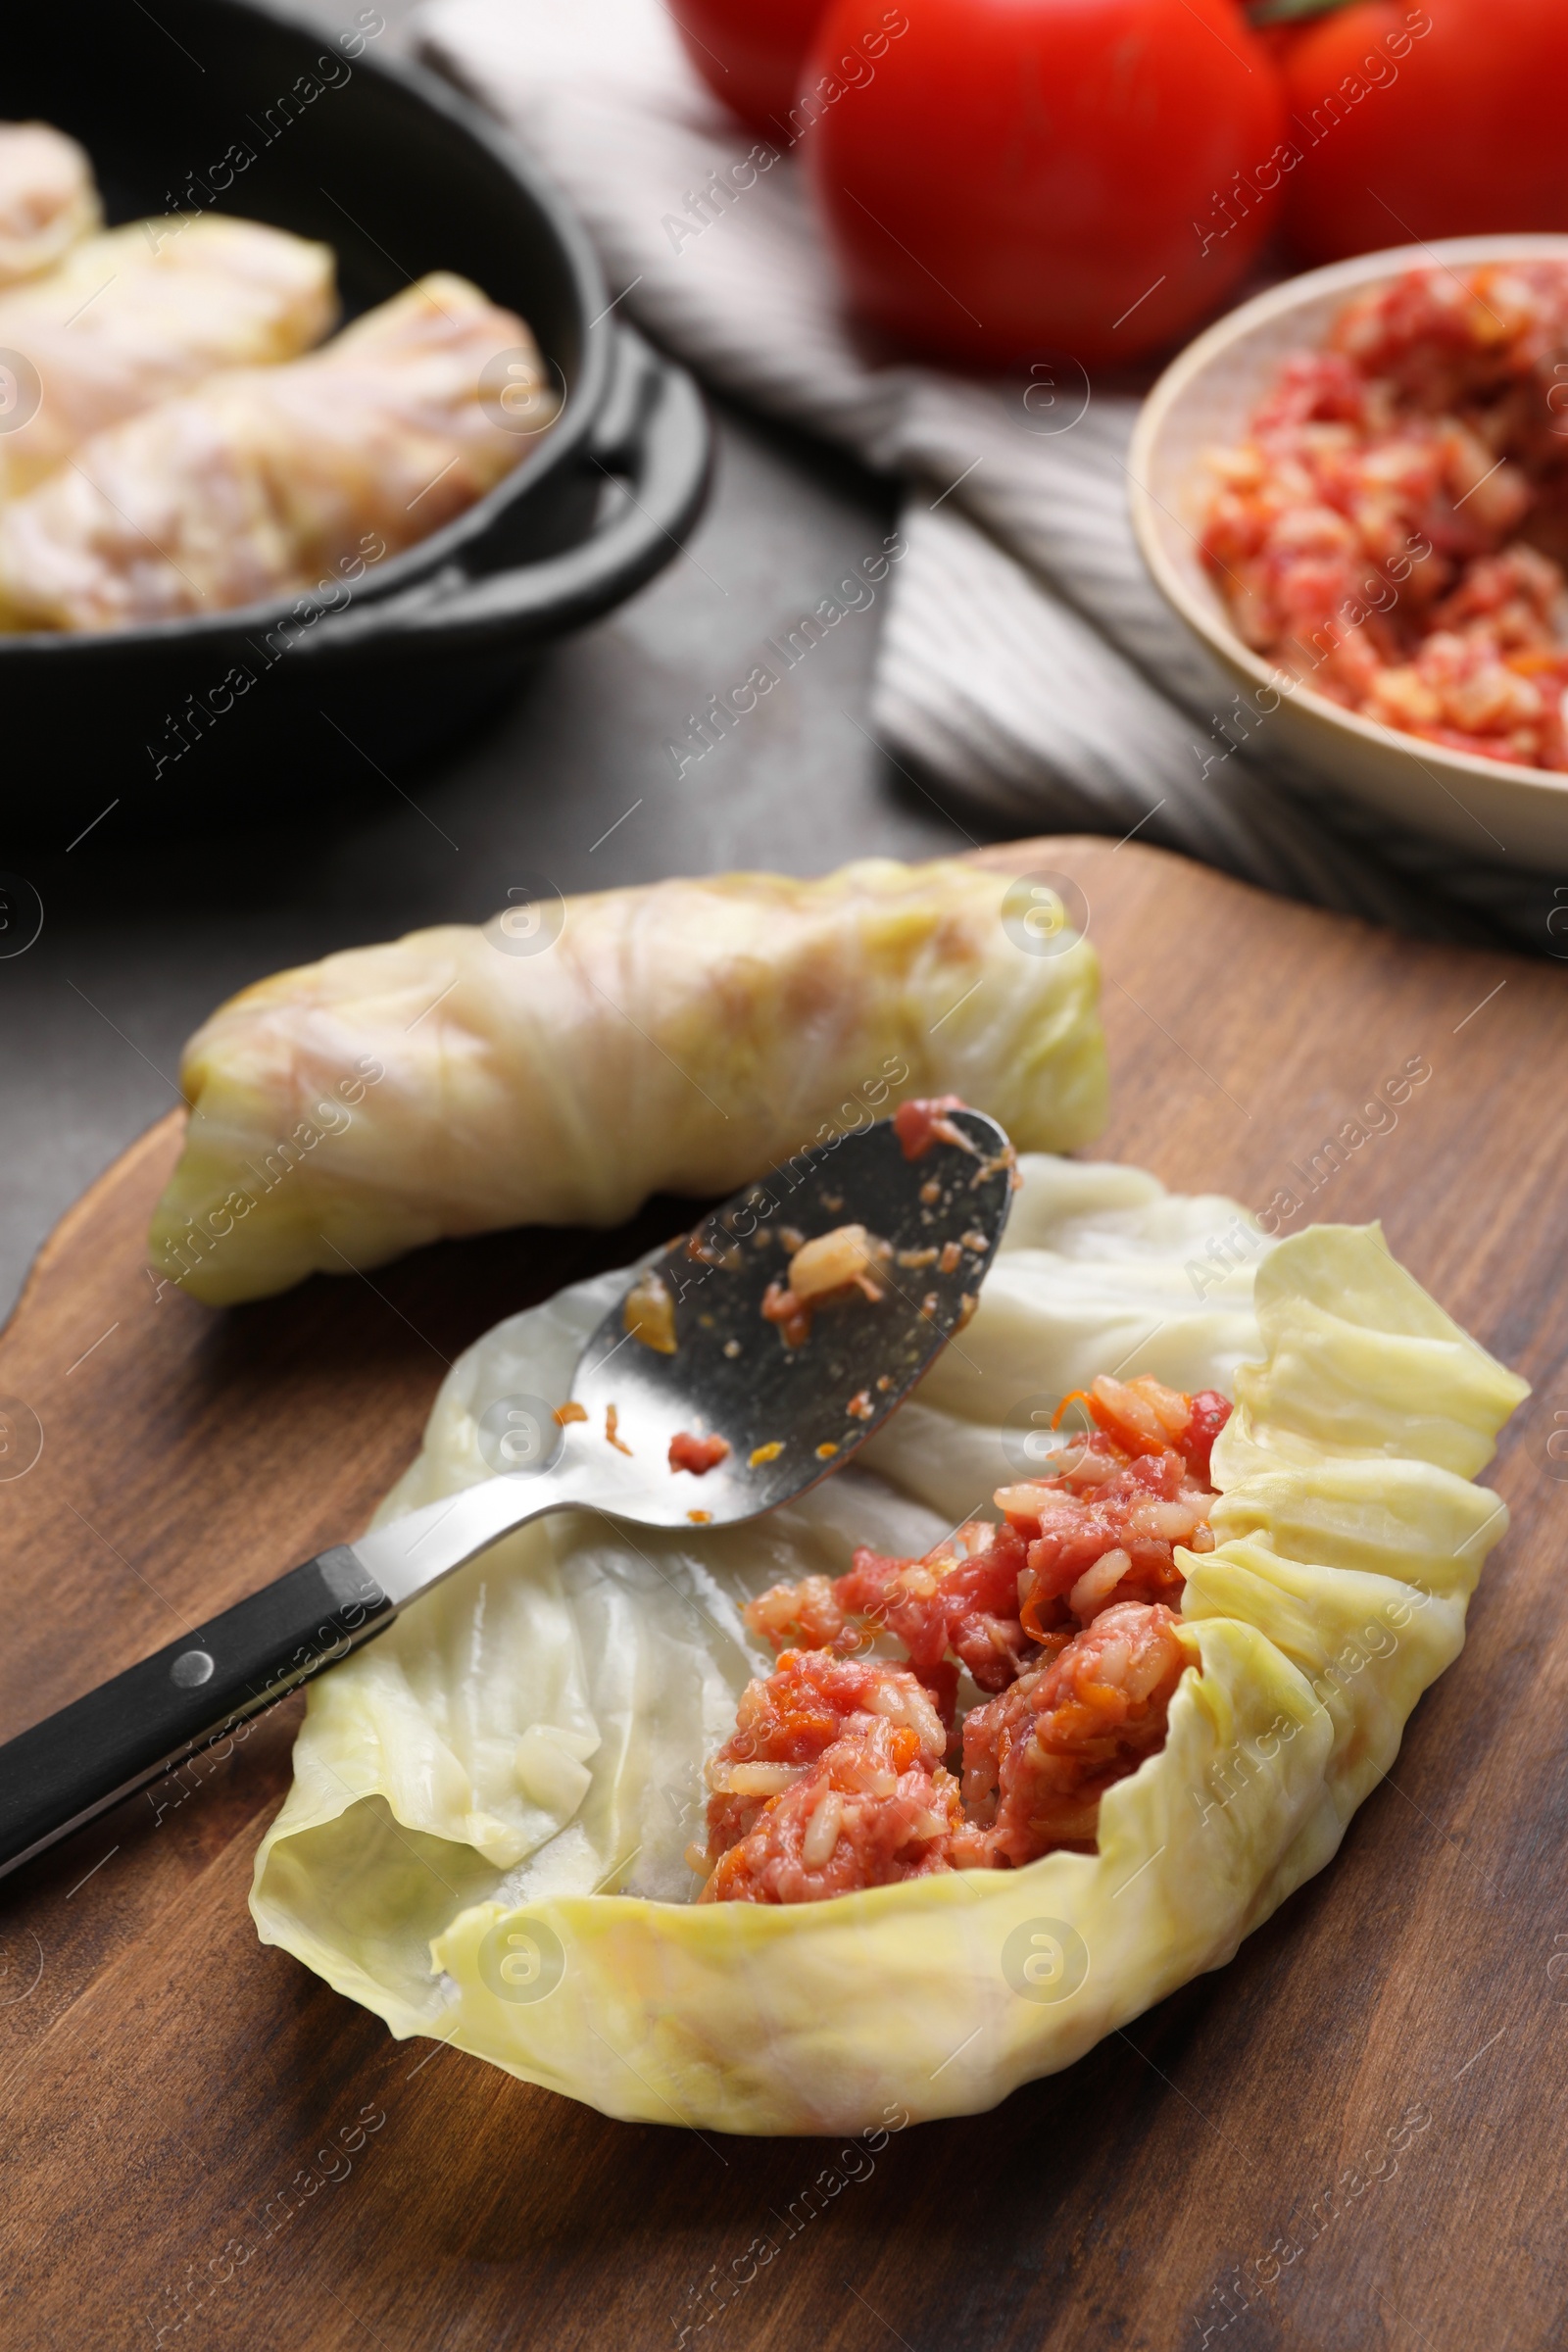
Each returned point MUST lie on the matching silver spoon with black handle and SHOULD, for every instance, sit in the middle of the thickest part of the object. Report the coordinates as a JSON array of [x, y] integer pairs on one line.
[[687, 1355]]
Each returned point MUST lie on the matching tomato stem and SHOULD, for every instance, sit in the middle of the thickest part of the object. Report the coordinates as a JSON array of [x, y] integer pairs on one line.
[[1291, 12]]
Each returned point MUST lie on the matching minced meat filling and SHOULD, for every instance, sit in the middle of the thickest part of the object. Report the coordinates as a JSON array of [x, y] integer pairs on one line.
[[836, 1777], [1394, 530], [1037, 1759], [834, 1780]]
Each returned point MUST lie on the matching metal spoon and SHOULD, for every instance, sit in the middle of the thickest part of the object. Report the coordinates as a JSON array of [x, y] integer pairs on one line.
[[790, 1415]]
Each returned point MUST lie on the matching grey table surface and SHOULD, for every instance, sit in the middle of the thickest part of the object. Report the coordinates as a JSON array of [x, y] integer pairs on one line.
[[575, 781]]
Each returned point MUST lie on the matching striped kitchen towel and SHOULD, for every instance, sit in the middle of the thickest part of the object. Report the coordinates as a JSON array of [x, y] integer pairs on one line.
[[1026, 661]]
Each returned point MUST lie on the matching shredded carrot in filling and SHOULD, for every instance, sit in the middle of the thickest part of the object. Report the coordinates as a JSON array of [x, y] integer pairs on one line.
[[1064, 1617]]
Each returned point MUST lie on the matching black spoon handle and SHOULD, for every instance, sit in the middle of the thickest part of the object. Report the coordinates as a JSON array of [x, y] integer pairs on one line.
[[126, 1733]]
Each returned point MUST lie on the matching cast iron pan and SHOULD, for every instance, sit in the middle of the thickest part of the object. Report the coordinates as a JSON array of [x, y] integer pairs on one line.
[[224, 719]]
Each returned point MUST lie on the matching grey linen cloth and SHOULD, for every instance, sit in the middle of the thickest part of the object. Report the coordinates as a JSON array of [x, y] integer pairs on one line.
[[1026, 659]]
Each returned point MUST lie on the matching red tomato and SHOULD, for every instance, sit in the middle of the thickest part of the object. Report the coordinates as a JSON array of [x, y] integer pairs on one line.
[[750, 52], [1006, 176], [1433, 120]]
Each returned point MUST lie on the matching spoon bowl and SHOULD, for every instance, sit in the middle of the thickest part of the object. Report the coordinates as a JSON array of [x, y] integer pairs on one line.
[[791, 1415]]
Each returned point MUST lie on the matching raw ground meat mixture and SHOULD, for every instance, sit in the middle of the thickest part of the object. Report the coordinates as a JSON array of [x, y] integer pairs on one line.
[[849, 1766], [1394, 529]]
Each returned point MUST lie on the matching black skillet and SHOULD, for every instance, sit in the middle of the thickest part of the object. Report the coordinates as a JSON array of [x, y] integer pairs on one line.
[[216, 721]]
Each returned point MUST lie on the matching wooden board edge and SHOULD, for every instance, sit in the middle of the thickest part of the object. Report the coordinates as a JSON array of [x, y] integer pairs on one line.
[[62, 1233]]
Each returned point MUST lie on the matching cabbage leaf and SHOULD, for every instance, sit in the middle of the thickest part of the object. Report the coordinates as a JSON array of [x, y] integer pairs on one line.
[[485, 1840], [575, 1055]]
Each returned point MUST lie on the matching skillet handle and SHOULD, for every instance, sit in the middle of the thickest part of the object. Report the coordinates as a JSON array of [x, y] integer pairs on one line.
[[654, 436]]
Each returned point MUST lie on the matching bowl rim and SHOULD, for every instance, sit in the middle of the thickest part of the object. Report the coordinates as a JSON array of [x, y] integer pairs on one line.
[[1210, 349], [559, 441]]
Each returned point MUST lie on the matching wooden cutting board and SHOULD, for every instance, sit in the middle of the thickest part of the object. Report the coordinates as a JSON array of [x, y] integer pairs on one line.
[[1349, 2137]]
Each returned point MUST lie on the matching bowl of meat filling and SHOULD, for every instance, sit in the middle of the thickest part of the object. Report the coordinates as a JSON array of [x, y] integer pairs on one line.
[[1354, 492]]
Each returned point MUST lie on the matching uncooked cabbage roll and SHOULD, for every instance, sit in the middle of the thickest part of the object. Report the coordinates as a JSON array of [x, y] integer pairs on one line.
[[577, 1055], [47, 198], [534, 1731], [141, 312], [265, 482]]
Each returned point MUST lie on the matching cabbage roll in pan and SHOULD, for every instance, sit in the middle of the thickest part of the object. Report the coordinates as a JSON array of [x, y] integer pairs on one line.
[[267, 481], [142, 312], [47, 198]]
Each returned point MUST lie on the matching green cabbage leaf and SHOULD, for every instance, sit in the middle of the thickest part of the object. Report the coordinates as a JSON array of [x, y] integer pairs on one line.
[[575, 1055], [484, 1840]]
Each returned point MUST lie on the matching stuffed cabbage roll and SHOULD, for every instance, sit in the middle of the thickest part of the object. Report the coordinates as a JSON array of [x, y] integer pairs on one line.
[[575, 1055], [47, 198], [269, 480], [141, 312], [487, 1837]]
